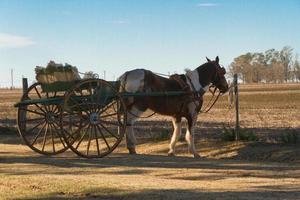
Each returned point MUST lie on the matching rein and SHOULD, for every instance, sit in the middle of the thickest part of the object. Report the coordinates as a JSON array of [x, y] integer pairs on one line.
[[208, 107]]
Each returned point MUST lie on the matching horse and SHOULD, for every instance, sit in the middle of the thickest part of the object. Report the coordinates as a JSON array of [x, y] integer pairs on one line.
[[195, 82]]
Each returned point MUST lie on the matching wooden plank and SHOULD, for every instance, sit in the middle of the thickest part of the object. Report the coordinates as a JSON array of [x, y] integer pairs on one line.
[[25, 85]]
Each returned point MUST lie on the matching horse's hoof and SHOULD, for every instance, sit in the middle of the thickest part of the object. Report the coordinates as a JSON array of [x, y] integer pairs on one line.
[[171, 154], [132, 151]]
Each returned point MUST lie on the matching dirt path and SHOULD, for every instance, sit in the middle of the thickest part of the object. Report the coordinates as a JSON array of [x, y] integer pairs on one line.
[[27, 175]]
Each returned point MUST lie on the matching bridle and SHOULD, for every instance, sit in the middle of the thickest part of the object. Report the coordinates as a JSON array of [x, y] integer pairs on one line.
[[220, 71]]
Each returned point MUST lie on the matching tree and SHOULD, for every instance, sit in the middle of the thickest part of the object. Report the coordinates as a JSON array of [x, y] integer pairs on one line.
[[270, 66], [297, 70], [242, 66], [286, 56]]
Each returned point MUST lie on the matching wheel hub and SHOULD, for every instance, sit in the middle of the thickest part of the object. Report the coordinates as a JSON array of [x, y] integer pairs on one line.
[[50, 117], [94, 118]]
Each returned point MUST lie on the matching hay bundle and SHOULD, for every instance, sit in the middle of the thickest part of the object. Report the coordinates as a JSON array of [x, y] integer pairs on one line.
[[54, 72]]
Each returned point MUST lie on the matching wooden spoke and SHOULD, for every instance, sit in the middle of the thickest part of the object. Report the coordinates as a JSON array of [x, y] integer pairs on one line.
[[38, 134], [78, 105], [57, 132], [96, 137], [32, 120], [65, 131], [44, 111], [89, 142], [82, 137], [32, 111], [37, 92], [52, 137], [99, 129], [107, 107], [40, 123], [108, 131], [56, 110], [109, 115], [109, 122], [45, 135]]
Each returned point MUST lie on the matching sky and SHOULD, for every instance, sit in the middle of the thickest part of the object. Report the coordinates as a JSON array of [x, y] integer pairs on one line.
[[119, 35]]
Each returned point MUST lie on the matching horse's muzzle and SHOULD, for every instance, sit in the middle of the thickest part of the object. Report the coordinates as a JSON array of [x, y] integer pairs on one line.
[[223, 89]]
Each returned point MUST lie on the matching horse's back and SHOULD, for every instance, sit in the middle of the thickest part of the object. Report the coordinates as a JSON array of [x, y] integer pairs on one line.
[[139, 80]]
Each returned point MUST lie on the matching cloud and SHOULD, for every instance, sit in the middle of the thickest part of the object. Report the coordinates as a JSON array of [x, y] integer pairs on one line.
[[14, 41], [207, 4]]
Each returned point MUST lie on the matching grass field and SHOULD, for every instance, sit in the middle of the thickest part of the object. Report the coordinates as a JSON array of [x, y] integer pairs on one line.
[[267, 169]]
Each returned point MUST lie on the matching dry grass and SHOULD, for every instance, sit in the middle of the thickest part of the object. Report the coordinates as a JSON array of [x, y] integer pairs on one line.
[[150, 175]]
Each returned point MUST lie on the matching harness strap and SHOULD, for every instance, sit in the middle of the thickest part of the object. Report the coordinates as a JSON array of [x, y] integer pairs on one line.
[[178, 78]]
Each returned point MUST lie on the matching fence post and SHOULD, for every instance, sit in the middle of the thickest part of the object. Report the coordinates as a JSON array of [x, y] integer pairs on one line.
[[25, 85], [236, 103], [23, 114]]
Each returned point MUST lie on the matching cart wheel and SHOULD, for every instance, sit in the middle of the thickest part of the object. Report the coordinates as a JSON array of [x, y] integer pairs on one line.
[[39, 123], [99, 111]]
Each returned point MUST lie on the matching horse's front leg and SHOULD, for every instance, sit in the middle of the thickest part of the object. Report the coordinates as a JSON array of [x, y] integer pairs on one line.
[[190, 136], [175, 136]]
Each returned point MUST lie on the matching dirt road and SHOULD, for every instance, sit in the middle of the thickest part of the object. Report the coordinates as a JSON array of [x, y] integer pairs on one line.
[[151, 175]]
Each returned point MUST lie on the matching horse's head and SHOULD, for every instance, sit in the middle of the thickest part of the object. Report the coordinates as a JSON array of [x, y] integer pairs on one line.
[[218, 75]]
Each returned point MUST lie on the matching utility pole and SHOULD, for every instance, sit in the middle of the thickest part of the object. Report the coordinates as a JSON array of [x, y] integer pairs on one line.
[[104, 75], [12, 78]]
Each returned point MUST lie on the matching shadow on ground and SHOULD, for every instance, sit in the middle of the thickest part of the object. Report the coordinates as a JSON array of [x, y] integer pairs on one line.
[[79, 165], [107, 193]]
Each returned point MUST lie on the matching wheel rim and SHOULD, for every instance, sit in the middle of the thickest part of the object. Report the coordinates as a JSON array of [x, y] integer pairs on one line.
[[100, 116], [39, 124]]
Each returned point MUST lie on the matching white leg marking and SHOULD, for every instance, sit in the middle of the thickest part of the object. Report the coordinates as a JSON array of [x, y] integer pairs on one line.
[[175, 136], [189, 136]]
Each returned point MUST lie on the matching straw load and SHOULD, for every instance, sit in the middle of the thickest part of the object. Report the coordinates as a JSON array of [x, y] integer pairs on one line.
[[54, 72]]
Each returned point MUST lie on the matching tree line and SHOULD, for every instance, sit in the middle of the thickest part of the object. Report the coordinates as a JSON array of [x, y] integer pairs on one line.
[[271, 66]]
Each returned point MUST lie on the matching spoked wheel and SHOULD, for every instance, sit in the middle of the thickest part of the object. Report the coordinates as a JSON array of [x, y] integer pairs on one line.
[[100, 115], [39, 123]]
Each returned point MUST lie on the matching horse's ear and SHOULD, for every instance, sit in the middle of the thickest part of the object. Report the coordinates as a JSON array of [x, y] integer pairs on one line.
[[217, 59], [208, 60]]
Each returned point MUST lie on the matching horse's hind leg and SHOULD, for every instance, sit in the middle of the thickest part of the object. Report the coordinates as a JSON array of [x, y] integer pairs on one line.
[[175, 136], [132, 114]]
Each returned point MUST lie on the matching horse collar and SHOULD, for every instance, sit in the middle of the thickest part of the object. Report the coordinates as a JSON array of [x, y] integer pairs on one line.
[[199, 92]]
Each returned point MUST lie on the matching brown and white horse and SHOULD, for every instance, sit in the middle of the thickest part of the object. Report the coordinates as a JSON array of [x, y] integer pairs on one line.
[[184, 106]]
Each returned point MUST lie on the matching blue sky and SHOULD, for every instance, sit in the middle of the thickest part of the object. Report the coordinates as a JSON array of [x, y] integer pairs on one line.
[[119, 35]]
